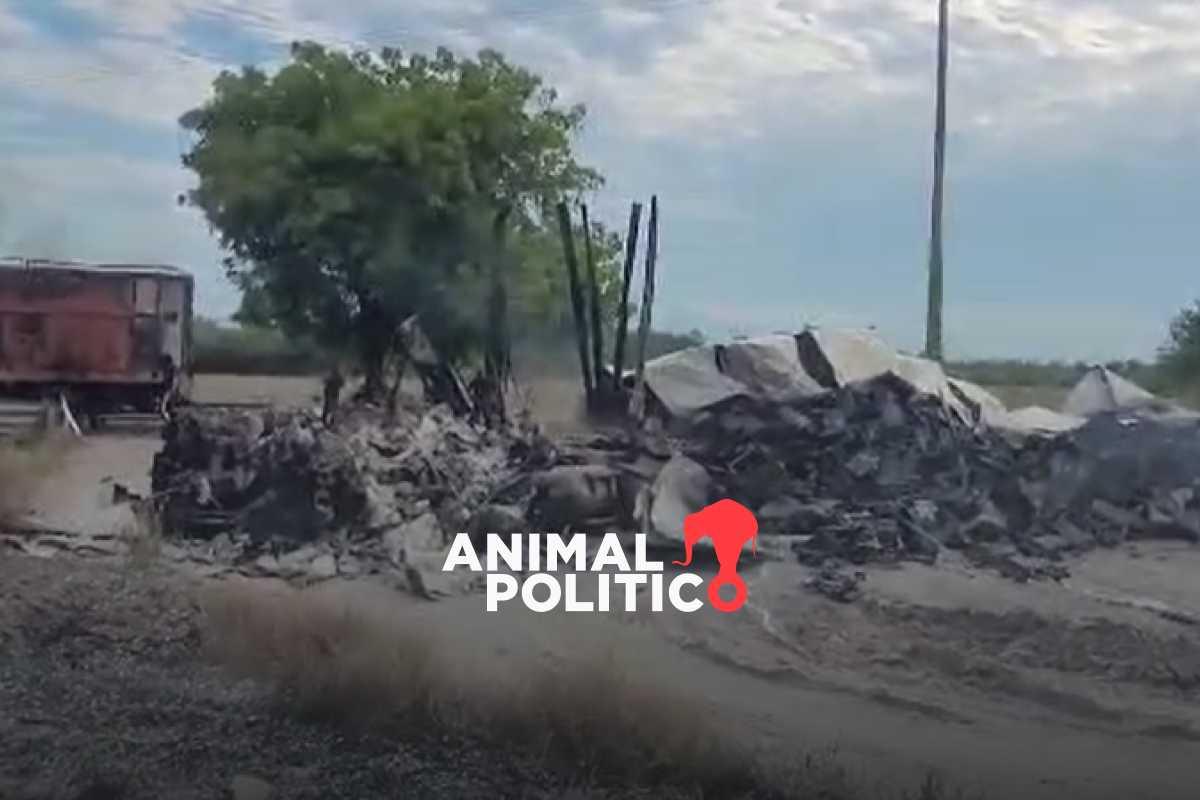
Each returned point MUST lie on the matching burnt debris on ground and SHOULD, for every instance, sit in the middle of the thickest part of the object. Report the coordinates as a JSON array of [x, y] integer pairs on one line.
[[847, 452], [280, 493]]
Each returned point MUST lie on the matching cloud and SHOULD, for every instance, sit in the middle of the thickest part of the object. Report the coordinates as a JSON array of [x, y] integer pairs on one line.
[[777, 131], [12, 27], [628, 17], [729, 70], [102, 207], [703, 70]]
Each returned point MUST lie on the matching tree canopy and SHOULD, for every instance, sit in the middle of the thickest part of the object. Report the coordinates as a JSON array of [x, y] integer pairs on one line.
[[1179, 358], [352, 190]]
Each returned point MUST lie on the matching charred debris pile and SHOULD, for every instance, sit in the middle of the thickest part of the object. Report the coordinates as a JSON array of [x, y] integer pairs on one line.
[[847, 452]]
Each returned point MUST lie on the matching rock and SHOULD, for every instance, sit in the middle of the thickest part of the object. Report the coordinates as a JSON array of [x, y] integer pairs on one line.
[[576, 495], [1075, 537], [989, 525], [689, 381], [381, 508], [349, 566], [1051, 545], [835, 358], [323, 566], [1162, 525], [297, 561], [791, 516], [248, 787], [393, 542], [1005, 558], [683, 487], [1121, 519], [416, 583], [919, 544], [863, 464], [424, 534], [1101, 390], [924, 513], [267, 565], [835, 583], [496, 518]]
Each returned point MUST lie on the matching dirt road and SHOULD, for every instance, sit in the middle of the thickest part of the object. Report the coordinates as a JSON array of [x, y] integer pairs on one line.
[[1086, 689]]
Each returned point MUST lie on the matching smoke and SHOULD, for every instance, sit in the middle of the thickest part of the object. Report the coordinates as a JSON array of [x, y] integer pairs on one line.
[[28, 228]]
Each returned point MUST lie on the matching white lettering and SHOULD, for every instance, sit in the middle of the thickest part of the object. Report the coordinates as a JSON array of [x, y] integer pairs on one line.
[[610, 554], [535, 552], [462, 554], [686, 579], [497, 549], [562, 552], [494, 582], [639, 556], [574, 604], [656, 592], [632, 581], [605, 588], [541, 606]]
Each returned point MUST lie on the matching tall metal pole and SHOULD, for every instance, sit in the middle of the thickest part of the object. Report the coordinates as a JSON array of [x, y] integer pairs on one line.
[[577, 311], [638, 404], [631, 238], [593, 302], [933, 323]]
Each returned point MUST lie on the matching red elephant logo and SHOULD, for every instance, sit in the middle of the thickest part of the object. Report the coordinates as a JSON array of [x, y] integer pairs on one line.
[[730, 525]]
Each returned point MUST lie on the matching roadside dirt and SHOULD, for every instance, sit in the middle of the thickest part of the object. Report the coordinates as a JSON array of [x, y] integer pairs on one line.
[[1086, 689], [107, 693]]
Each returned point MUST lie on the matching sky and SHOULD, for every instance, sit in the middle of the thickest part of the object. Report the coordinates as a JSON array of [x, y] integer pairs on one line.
[[789, 143]]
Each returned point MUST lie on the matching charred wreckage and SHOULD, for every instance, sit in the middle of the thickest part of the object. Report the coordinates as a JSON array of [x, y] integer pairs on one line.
[[848, 453]]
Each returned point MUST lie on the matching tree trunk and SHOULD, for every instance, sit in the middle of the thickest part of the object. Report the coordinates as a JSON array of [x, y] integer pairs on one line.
[[374, 336]]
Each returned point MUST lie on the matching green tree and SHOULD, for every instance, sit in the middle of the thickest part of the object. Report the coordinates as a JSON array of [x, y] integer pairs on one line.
[[1179, 358], [355, 189]]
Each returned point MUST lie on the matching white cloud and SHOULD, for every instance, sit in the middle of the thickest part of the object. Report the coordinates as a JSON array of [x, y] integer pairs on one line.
[[713, 69], [623, 17], [1048, 78], [119, 78], [12, 27], [98, 207]]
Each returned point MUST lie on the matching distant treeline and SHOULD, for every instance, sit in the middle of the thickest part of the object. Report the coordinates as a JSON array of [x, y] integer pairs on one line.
[[246, 350], [1018, 372], [232, 349]]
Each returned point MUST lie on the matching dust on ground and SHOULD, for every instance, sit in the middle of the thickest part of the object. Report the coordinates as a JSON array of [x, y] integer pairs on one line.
[[108, 693]]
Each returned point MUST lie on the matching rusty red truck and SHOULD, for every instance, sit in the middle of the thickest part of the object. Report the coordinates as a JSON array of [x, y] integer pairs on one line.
[[110, 337]]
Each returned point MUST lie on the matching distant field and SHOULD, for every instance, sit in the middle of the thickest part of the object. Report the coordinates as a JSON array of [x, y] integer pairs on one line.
[[274, 389], [1051, 397], [556, 400]]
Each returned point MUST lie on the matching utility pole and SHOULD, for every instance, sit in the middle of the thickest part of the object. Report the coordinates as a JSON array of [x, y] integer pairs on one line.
[[933, 323]]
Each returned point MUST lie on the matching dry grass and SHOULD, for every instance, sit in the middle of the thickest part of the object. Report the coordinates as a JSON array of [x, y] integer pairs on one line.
[[375, 662], [282, 390], [24, 465], [1015, 397]]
